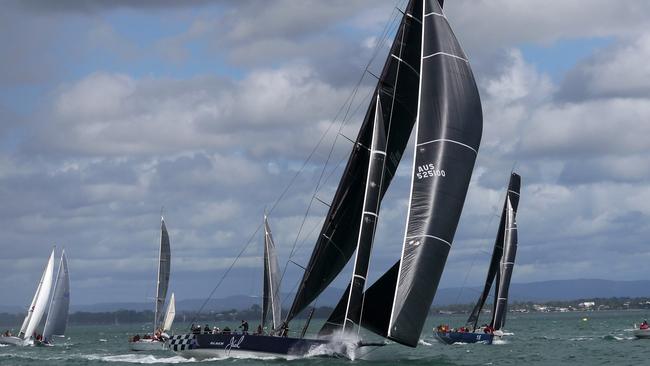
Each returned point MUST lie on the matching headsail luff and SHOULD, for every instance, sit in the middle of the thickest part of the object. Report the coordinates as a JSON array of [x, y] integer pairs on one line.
[[162, 283], [40, 300], [497, 253], [397, 90], [57, 315], [448, 134], [271, 296], [509, 253]]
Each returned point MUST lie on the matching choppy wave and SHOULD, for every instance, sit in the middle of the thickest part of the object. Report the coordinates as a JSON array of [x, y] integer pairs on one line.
[[139, 359]]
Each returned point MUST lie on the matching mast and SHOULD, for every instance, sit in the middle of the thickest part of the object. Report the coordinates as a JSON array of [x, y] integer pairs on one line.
[[337, 240], [514, 185], [57, 315], [508, 259], [368, 223], [162, 279]]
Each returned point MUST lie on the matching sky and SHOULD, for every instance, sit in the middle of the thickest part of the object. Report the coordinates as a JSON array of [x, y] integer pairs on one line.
[[208, 110]]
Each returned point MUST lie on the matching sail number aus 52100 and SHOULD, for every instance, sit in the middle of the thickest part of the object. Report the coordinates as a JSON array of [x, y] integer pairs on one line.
[[429, 170]]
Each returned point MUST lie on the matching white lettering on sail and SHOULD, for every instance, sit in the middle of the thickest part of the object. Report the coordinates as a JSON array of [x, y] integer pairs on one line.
[[429, 170]]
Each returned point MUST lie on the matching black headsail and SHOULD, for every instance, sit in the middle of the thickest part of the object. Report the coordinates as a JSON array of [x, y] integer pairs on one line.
[[397, 90], [509, 253], [497, 253]]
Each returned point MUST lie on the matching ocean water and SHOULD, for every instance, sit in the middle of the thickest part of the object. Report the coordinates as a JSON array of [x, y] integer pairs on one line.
[[590, 338]]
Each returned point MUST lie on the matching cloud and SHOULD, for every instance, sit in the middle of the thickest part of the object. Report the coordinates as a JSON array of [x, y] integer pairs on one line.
[[108, 143], [618, 71]]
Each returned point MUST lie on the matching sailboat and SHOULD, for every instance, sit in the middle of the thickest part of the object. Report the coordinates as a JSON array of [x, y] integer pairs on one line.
[[499, 272], [162, 322], [267, 341], [57, 315], [36, 309], [426, 84]]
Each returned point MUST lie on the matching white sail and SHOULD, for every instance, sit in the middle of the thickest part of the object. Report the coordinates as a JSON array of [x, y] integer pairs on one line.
[[169, 314], [39, 302], [57, 315]]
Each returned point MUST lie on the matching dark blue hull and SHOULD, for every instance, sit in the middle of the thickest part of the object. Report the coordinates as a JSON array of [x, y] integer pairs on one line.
[[464, 337], [242, 345]]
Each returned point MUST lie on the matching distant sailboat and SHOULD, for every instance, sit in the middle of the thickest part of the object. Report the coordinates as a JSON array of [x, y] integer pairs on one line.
[[426, 85], [57, 315], [36, 309], [500, 271], [160, 324]]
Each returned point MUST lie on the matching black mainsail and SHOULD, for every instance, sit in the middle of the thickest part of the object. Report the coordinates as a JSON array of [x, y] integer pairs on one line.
[[397, 90], [448, 134], [494, 271], [271, 297]]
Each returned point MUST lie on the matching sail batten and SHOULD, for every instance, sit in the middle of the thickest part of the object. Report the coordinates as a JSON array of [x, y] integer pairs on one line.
[[57, 315]]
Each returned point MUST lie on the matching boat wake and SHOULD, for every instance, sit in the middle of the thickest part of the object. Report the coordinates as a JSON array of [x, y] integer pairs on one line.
[[342, 345], [611, 337], [140, 359], [422, 342]]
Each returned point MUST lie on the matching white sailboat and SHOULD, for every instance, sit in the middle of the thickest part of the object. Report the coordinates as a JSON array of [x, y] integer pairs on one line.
[[160, 325], [57, 315], [36, 308]]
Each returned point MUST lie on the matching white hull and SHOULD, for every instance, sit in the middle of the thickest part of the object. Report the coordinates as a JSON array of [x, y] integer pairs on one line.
[[148, 345], [14, 341], [642, 333]]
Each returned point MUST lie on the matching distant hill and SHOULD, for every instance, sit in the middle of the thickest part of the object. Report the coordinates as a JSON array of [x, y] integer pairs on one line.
[[560, 290]]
